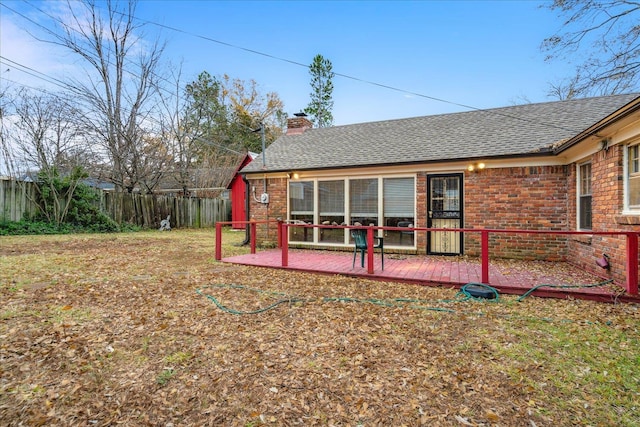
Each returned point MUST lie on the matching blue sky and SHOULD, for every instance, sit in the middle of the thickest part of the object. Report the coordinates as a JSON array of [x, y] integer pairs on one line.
[[482, 54]]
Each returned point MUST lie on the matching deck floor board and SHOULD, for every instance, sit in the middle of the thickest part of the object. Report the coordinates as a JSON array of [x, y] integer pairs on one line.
[[510, 277]]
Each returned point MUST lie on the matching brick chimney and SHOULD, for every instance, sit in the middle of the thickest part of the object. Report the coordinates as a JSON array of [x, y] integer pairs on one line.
[[298, 124]]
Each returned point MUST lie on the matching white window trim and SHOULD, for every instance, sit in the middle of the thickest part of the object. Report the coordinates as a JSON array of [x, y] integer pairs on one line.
[[346, 180], [626, 209], [579, 193]]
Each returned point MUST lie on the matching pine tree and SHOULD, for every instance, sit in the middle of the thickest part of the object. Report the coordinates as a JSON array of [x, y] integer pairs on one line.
[[322, 92]]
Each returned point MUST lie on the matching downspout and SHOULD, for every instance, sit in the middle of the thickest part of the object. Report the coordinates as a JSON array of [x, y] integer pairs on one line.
[[247, 205]]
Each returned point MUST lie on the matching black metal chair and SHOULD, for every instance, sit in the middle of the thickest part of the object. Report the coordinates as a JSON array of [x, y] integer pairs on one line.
[[360, 240]]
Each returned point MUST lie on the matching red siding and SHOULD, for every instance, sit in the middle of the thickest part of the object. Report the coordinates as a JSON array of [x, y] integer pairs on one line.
[[238, 198], [238, 195]]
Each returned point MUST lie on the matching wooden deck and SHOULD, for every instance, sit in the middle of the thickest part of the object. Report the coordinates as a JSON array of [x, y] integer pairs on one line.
[[507, 276]]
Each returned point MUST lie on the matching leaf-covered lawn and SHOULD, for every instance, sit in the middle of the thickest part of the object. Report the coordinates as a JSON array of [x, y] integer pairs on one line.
[[136, 329]]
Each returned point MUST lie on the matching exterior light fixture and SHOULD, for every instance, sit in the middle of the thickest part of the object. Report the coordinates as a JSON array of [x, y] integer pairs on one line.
[[476, 167], [293, 175]]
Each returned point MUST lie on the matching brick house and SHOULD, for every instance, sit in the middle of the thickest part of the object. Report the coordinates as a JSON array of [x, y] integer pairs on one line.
[[568, 165]]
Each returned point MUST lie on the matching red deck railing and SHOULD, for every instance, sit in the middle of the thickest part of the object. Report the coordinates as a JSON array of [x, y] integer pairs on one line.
[[631, 261]]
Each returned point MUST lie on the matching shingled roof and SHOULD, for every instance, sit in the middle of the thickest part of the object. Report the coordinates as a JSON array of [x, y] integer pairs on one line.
[[529, 129]]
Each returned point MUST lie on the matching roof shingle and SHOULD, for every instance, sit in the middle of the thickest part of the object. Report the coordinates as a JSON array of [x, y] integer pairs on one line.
[[500, 132]]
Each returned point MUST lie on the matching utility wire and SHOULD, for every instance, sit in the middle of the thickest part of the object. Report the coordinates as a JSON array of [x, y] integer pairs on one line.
[[346, 76], [64, 85], [54, 34], [35, 73], [62, 24]]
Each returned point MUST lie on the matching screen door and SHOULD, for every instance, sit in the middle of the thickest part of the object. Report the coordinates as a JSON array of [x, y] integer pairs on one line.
[[444, 211]]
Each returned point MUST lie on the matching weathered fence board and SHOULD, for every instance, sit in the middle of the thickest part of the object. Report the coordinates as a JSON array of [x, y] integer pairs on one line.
[[16, 200], [147, 210], [144, 210]]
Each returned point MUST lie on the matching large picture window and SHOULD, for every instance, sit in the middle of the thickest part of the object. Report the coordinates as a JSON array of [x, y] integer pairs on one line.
[[366, 201], [331, 210], [633, 176], [363, 201], [584, 197], [399, 209], [301, 206]]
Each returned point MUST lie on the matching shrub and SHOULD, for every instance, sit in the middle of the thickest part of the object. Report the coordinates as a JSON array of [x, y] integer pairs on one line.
[[8, 228], [85, 214]]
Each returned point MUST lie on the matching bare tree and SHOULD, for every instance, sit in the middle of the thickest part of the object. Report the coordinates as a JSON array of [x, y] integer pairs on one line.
[[152, 163], [565, 89], [45, 143], [122, 81], [174, 135], [6, 163], [210, 125], [605, 37]]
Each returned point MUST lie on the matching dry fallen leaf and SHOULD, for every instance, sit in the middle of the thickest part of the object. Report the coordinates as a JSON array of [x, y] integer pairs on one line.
[[93, 348]]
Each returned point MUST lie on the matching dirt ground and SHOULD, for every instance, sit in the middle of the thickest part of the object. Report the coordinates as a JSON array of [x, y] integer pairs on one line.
[[147, 329]]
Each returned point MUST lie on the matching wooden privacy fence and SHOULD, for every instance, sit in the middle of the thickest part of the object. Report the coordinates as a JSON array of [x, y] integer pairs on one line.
[[144, 210], [16, 200], [147, 210]]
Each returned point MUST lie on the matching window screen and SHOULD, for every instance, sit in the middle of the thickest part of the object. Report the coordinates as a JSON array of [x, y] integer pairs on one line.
[[585, 196], [301, 197], [634, 176], [399, 197], [331, 196], [363, 198]]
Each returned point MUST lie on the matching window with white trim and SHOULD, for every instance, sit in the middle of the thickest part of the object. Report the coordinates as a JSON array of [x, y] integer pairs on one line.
[[363, 201], [633, 177], [584, 197], [366, 201], [399, 209], [331, 210], [301, 195]]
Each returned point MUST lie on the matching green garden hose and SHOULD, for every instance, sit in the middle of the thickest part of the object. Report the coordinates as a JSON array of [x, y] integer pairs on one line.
[[260, 310], [595, 285], [463, 295]]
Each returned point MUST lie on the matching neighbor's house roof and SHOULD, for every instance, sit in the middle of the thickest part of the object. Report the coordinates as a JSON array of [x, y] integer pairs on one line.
[[515, 131]]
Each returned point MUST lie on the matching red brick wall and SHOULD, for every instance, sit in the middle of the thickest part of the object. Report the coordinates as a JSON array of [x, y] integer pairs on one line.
[[532, 198], [276, 208], [526, 198], [607, 186]]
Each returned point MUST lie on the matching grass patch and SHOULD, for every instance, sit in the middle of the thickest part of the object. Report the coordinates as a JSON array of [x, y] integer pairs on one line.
[[68, 313], [8, 314], [165, 376], [178, 358], [580, 362]]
